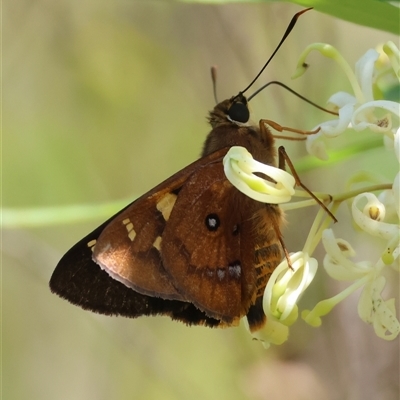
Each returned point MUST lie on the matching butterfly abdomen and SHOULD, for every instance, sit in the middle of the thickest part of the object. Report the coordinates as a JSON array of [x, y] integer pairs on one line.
[[268, 249]]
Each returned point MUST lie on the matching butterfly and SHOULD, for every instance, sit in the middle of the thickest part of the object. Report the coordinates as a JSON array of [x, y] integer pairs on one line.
[[194, 248]]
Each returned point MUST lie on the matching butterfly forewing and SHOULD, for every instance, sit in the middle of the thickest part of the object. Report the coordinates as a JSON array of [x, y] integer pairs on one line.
[[129, 247], [79, 279], [129, 250]]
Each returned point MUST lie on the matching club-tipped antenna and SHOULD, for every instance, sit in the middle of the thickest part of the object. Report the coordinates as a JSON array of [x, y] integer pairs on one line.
[[291, 25], [293, 92], [214, 81]]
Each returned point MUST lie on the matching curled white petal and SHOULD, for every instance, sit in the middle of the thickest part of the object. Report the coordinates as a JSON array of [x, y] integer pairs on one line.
[[286, 285], [369, 225], [386, 325], [393, 53], [365, 71], [315, 145], [373, 309], [365, 304], [273, 332], [340, 99], [363, 116], [336, 261], [396, 258], [239, 167], [397, 144], [337, 126]]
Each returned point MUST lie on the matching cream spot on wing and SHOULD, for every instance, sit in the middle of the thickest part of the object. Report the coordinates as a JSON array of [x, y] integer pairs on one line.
[[129, 227], [91, 244], [132, 235], [166, 204], [157, 243]]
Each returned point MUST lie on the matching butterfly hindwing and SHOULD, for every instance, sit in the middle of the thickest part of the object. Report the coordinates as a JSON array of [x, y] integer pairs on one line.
[[81, 281], [128, 249]]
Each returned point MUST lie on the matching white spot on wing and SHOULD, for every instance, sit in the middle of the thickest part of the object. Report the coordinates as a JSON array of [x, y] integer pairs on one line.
[[212, 222], [220, 273], [235, 270]]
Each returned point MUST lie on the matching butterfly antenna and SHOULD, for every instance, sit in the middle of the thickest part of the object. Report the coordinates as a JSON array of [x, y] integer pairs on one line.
[[285, 35], [293, 92], [214, 82]]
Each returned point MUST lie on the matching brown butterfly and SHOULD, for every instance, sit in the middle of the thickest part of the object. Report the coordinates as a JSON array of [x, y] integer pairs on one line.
[[193, 248]]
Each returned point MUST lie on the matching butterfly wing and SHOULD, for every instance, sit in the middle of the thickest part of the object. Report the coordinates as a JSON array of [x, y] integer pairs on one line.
[[78, 279]]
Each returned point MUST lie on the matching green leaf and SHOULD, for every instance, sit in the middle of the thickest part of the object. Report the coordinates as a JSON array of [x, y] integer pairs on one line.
[[372, 13]]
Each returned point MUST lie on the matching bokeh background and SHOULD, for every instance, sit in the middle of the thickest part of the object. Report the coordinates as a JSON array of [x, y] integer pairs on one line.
[[102, 101]]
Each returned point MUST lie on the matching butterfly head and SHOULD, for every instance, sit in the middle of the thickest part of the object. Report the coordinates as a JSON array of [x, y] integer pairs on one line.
[[234, 110]]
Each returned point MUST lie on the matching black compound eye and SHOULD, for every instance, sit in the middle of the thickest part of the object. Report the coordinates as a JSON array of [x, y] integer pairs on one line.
[[212, 222], [239, 112]]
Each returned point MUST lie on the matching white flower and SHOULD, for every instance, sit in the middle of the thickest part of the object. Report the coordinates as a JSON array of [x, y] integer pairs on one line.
[[239, 167], [378, 312], [376, 216], [371, 307], [369, 220], [360, 110], [286, 285], [273, 332], [284, 289]]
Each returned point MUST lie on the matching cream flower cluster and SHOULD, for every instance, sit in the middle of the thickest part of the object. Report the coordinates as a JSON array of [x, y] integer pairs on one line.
[[357, 112]]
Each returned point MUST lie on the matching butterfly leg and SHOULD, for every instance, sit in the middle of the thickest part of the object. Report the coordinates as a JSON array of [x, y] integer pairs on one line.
[[280, 128], [283, 160]]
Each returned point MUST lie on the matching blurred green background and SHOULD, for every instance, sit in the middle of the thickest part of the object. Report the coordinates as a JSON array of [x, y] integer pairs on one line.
[[102, 101]]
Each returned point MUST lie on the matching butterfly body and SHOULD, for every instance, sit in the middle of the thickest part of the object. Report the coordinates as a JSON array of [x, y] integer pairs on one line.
[[193, 248]]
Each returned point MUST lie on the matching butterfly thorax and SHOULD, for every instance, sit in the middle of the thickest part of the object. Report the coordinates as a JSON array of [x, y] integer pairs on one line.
[[230, 120]]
